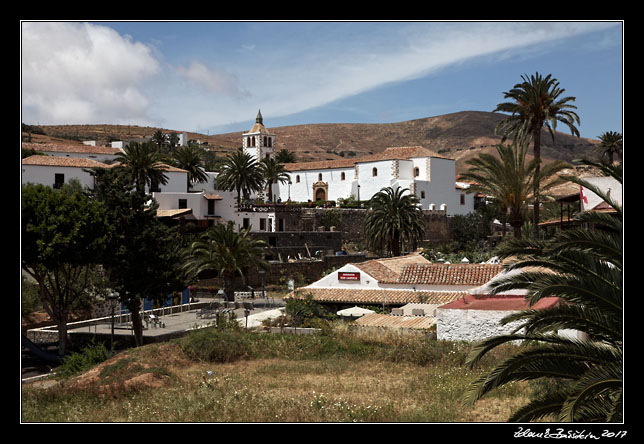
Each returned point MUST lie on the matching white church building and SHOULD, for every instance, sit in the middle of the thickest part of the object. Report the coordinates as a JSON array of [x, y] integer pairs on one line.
[[428, 175]]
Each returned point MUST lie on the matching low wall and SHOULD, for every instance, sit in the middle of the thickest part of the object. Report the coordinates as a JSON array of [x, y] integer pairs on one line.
[[471, 325]]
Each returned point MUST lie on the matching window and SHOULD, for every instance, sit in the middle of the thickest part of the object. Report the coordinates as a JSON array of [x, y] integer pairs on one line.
[[297, 178], [246, 222], [59, 180], [320, 177], [262, 224], [422, 194], [374, 172], [183, 203], [211, 207], [341, 176], [416, 172], [462, 199]]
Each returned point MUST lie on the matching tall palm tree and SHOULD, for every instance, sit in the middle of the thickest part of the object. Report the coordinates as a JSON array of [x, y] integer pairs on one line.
[[285, 156], [272, 172], [143, 164], [611, 145], [226, 252], [393, 221], [536, 105], [240, 172], [190, 158], [508, 180], [583, 267]]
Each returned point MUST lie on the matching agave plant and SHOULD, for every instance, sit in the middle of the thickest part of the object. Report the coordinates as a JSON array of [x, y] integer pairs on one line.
[[583, 267]]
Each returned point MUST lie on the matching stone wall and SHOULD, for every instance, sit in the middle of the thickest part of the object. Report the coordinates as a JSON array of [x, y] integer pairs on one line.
[[471, 325], [436, 223]]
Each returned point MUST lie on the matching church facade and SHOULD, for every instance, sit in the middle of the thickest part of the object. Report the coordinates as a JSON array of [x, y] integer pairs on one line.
[[428, 175]]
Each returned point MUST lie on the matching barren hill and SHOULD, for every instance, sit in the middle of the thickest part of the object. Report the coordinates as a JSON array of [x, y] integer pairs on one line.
[[459, 135]]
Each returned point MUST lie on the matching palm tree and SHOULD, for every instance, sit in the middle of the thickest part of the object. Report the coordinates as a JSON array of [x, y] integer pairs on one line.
[[584, 269], [240, 172], [142, 163], [272, 172], [189, 158], [508, 180], [611, 144], [536, 105], [285, 156], [394, 221], [226, 252]]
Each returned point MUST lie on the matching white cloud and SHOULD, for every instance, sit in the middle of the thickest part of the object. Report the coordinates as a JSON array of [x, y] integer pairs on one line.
[[337, 66], [83, 73], [213, 81]]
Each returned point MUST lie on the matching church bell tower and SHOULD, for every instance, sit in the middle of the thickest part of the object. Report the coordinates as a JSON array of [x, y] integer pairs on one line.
[[259, 142]]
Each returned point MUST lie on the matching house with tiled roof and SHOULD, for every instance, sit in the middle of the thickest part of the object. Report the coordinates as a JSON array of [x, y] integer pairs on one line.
[[477, 314], [398, 281], [98, 153]]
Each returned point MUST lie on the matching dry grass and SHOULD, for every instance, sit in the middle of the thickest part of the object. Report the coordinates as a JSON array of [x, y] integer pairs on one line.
[[160, 383]]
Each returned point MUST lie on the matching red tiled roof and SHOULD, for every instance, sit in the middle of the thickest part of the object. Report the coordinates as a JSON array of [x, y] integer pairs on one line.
[[500, 303], [353, 296], [448, 274], [59, 148], [388, 269], [383, 320], [77, 162]]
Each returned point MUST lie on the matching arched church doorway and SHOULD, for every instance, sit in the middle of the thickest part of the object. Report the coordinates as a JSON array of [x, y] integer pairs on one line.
[[320, 194]]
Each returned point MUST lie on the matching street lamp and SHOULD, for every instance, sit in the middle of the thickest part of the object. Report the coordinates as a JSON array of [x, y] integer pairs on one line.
[[113, 298], [261, 273]]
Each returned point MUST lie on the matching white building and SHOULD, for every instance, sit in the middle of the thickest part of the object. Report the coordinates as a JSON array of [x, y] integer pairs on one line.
[[428, 175], [398, 281], [97, 153], [54, 171]]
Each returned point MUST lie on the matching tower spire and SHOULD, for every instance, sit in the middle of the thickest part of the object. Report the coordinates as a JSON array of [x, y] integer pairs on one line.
[[259, 118]]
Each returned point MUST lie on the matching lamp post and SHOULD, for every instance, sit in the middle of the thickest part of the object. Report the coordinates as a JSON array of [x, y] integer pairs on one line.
[[113, 298], [261, 273]]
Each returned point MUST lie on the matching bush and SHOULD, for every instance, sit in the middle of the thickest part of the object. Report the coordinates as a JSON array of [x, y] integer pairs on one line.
[[226, 343], [78, 362]]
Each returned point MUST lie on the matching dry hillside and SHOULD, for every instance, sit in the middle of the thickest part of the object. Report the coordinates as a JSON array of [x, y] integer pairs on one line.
[[460, 136]]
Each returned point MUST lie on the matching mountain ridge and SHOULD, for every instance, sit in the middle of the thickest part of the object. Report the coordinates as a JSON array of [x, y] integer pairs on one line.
[[460, 135]]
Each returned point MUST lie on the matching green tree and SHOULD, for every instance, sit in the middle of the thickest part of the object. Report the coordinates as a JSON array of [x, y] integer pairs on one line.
[[394, 221], [536, 105], [583, 267], [611, 145], [285, 156], [508, 179], [159, 140], [226, 252], [190, 158], [142, 254], [143, 165], [272, 172], [241, 173], [64, 234]]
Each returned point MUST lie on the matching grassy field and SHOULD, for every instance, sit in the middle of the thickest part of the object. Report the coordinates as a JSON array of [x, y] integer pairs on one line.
[[238, 376]]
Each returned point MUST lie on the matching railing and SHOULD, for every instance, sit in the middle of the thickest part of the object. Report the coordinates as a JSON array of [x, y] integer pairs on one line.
[[269, 208]]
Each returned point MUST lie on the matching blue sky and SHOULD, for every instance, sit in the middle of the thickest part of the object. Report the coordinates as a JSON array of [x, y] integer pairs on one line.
[[212, 77]]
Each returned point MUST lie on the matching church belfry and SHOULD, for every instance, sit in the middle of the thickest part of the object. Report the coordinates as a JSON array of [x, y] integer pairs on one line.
[[259, 142]]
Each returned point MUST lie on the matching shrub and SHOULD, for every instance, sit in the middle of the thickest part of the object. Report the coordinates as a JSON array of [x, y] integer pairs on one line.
[[78, 362]]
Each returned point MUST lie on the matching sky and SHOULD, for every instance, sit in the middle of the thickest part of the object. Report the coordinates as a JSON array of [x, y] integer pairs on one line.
[[213, 77]]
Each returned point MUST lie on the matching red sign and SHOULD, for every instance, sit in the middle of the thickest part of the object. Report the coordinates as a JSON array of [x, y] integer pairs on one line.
[[348, 276]]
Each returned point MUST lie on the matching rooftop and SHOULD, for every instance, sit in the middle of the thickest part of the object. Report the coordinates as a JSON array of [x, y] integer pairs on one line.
[[392, 153]]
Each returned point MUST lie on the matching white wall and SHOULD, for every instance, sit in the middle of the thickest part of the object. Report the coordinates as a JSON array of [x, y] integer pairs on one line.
[[331, 280], [303, 191], [45, 175], [471, 325]]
